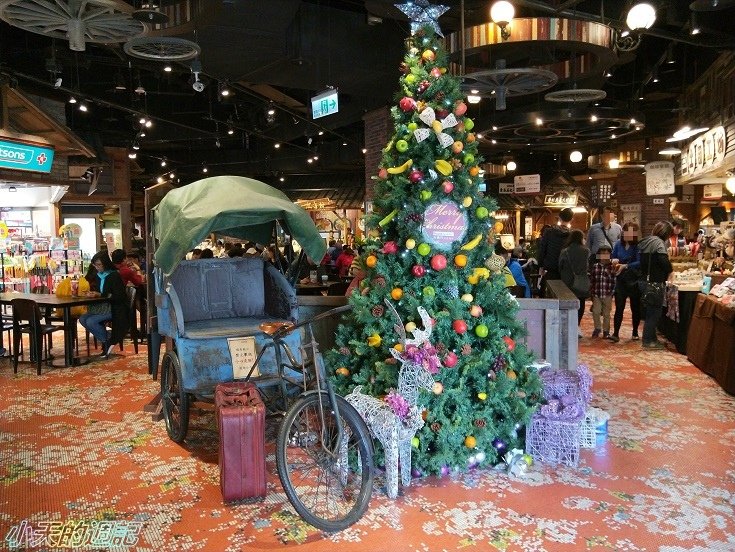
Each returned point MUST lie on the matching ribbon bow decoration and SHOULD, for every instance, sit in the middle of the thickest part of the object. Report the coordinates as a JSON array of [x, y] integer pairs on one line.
[[428, 116]]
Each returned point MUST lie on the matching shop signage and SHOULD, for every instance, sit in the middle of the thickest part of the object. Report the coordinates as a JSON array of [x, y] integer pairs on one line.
[[528, 228], [712, 191], [26, 156], [631, 212], [444, 223], [704, 153], [560, 199], [659, 178], [326, 103], [506, 188], [527, 184]]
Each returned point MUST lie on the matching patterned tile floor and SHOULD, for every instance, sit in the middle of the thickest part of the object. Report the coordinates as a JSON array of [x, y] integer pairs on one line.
[[76, 446]]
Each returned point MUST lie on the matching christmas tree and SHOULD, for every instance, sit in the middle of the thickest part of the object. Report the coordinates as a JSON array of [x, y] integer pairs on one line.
[[432, 247]]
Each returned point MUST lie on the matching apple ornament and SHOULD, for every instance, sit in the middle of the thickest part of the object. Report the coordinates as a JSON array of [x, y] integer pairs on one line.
[[436, 72], [438, 262], [418, 270], [428, 55], [383, 174], [447, 186], [476, 311], [410, 243], [407, 104], [415, 175], [509, 342], [460, 108], [459, 326], [401, 145], [450, 361], [390, 247]]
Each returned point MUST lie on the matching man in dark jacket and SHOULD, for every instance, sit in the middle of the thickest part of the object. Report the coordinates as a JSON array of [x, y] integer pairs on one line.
[[552, 242]]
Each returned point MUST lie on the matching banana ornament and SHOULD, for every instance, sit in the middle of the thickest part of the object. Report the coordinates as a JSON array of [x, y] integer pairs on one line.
[[387, 148], [401, 168], [472, 243], [442, 166], [388, 217]]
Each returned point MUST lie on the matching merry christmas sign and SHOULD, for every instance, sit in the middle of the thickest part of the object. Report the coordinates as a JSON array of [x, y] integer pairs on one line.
[[444, 223]]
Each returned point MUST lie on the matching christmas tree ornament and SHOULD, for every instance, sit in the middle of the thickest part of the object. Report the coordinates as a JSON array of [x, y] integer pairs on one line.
[[382, 173], [421, 13], [480, 457], [418, 270], [410, 243], [459, 326], [412, 126], [469, 124], [423, 249], [425, 195], [400, 168], [460, 108], [415, 442], [470, 442], [371, 261], [467, 201], [466, 349], [379, 281], [481, 330], [511, 375], [437, 388], [342, 371], [457, 147], [481, 212], [450, 360], [407, 104], [415, 176], [509, 342], [423, 86], [474, 171], [390, 247], [428, 55], [460, 260], [403, 67], [468, 158], [444, 471], [428, 291], [476, 311], [396, 293], [452, 290], [435, 72], [482, 396], [410, 78], [474, 242], [447, 187], [438, 262], [479, 423], [374, 340], [378, 311], [467, 298], [443, 167], [498, 444], [389, 217], [401, 145], [410, 326], [470, 138]]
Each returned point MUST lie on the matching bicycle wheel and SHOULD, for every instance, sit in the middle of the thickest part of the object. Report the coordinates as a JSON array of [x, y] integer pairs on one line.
[[331, 492], [175, 399]]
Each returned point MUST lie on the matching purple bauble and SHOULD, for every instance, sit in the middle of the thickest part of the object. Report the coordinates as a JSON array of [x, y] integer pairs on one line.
[[499, 444], [415, 472], [444, 471]]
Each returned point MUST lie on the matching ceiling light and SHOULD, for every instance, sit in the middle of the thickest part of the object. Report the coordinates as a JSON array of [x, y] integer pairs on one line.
[[167, 68], [670, 151], [82, 107], [277, 145], [230, 131], [132, 155], [316, 158], [320, 133], [641, 17], [140, 90], [142, 120], [309, 160], [163, 162], [495, 128], [172, 174], [633, 121], [205, 169], [136, 145], [148, 123], [141, 134], [593, 118], [120, 82], [502, 13], [160, 180], [364, 150], [613, 136], [575, 156], [343, 143], [730, 184], [539, 121], [493, 141], [479, 137], [72, 100], [282, 179], [511, 166], [224, 90], [608, 74], [473, 98], [694, 29], [272, 111], [613, 163], [654, 75]]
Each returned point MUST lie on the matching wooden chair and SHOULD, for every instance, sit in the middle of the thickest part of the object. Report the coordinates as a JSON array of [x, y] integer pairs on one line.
[[27, 319]]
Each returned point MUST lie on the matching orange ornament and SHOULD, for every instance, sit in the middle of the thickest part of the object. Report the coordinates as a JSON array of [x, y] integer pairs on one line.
[[511, 375], [470, 442], [342, 371], [396, 293], [474, 171], [470, 137], [398, 347], [460, 260], [371, 261]]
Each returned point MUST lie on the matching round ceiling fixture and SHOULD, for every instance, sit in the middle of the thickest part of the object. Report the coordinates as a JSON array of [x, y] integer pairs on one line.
[[96, 21], [162, 48], [576, 95], [503, 82], [575, 156], [641, 17]]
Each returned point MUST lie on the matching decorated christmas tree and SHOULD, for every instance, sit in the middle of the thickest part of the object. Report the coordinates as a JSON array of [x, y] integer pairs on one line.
[[432, 247]]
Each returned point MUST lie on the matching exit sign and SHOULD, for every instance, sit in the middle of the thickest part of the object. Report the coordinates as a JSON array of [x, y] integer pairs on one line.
[[326, 103]]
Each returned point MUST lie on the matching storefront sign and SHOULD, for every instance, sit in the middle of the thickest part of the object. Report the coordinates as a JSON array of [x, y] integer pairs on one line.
[[527, 184], [506, 188], [326, 103], [26, 156], [444, 223], [659, 178], [704, 153], [561, 200], [712, 191]]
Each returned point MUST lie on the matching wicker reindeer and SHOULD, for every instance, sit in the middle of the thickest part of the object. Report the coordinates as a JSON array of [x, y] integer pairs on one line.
[[395, 420]]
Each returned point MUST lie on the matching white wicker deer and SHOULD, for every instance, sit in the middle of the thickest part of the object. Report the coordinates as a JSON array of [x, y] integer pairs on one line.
[[395, 432]]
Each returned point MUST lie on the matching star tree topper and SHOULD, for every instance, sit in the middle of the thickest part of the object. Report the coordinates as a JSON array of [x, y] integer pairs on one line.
[[420, 12]]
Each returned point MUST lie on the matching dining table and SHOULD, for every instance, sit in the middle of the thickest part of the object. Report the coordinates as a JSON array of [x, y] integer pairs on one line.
[[51, 301]]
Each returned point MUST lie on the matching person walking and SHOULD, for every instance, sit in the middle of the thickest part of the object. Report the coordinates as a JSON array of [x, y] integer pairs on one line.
[[550, 246], [625, 259], [606, 231], [602, 288], [655, 271], [573, 269]]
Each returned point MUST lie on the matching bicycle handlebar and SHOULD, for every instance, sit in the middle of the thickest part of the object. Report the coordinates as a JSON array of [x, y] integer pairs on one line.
[[285, 330]]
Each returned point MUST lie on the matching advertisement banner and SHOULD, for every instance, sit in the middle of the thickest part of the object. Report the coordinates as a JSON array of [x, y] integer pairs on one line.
[[26, 156], [659, 178]]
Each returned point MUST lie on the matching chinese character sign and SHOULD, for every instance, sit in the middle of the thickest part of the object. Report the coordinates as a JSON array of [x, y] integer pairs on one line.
[[659, 178]]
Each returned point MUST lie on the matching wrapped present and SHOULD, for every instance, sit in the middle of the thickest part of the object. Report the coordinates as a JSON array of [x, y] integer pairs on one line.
[[560, 383], [554, 433]]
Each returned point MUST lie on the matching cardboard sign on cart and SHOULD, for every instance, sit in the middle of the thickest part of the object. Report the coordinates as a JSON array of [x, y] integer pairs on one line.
[[242, 352]]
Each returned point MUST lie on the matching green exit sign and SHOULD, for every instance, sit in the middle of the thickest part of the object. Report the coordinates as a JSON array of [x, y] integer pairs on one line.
[[326, 103]]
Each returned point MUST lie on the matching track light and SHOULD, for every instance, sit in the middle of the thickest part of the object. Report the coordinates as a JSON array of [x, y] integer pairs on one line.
[[167, 68], [230, 131], [163, 162], [224, 90], [205, 170], [83, 107], [72, 100], [132, 155]]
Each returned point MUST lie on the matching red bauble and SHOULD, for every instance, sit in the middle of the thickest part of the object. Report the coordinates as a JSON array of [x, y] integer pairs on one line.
[[390, 247], [438, 262], [423, 87], [450, 361], [415, 176], [442, 113], [509, 342], [418, 270], [436, 72], [383, 174], [407, 104], [447, 186], [459, 326]]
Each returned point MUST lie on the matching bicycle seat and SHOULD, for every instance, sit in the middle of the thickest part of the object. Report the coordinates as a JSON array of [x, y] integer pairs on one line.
[[271, 328]]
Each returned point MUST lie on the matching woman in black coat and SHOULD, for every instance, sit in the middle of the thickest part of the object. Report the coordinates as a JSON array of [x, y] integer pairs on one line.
[[105, 280], [655, 269], [573, 264]]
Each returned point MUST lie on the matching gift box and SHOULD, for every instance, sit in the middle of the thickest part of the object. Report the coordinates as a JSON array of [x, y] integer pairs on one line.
[[560, 383], [554, 433]]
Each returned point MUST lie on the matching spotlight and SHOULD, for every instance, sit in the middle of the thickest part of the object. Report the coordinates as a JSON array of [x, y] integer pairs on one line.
[[163, 162], [83, 107], [230, 131], [136, 145], [148, 123], [197, 85], [142, 120], [276, 145], [132, 155], [167, 68], [196, 69], [575, 156], [72, 100], [224, 90], [593, 118], [511, 166], [205, 169], [282, 179]]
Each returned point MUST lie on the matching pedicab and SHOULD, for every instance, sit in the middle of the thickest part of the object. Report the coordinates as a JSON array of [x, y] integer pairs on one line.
[[237, 319]]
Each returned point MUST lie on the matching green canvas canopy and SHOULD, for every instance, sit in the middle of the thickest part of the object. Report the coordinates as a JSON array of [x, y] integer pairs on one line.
[[233, 206]]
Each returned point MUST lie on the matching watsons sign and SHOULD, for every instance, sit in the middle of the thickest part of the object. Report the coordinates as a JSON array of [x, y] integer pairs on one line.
[[22, 156]]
